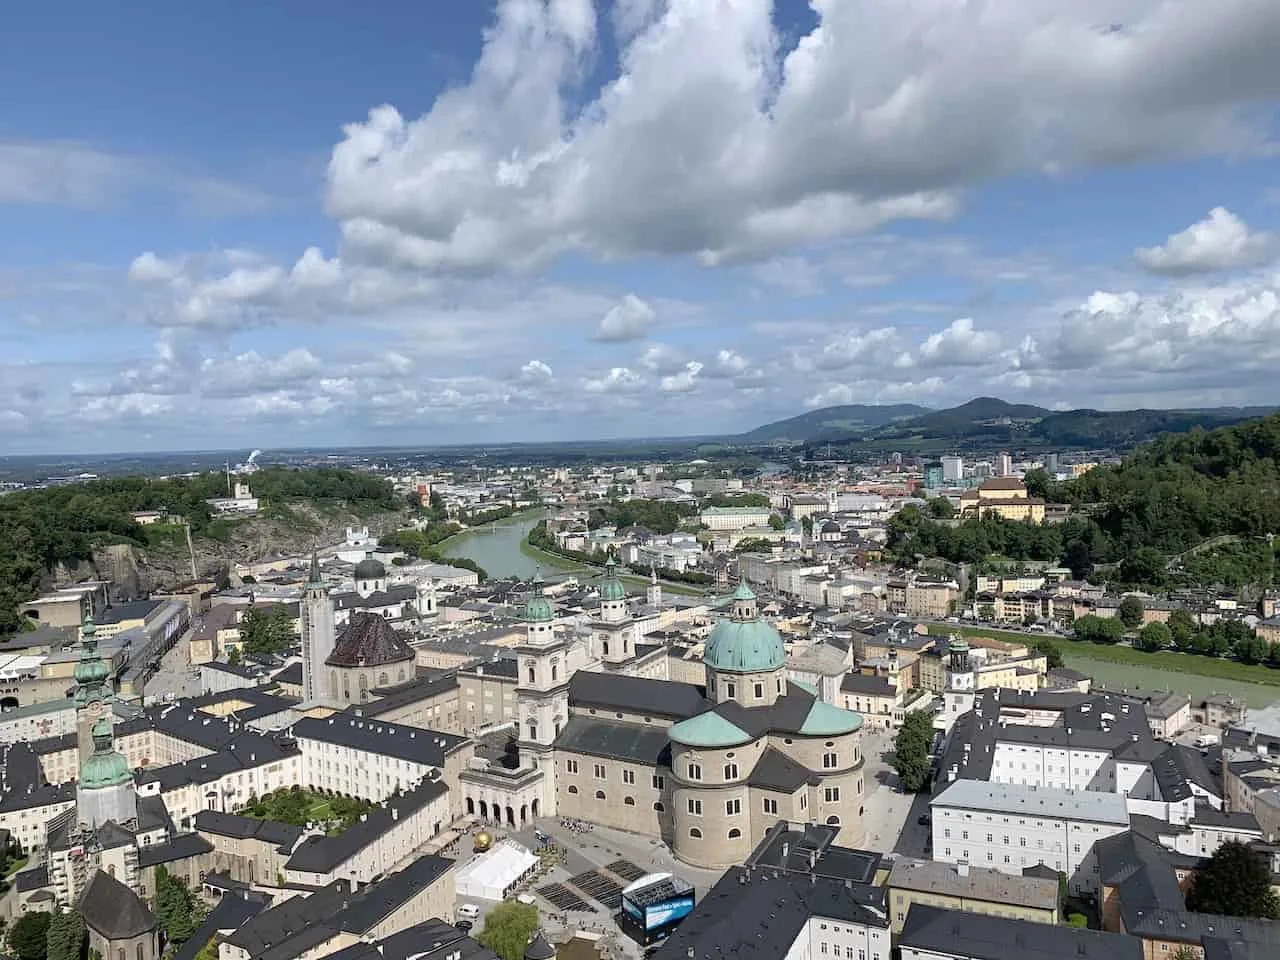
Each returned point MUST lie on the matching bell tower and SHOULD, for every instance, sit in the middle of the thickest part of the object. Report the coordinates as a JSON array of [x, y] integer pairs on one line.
[[542, 684], [318, 632]]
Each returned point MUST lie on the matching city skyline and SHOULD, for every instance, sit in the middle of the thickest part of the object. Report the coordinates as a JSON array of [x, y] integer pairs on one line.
[[530, 221]]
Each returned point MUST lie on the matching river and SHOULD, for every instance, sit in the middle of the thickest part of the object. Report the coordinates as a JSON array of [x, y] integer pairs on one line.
[[496, 546]]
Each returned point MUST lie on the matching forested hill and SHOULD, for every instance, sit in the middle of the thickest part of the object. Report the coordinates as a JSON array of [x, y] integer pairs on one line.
[[1177, 492], [42, 529]]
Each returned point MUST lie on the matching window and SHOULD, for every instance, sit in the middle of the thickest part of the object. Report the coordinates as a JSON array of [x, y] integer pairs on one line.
[[695, 771], [554, 671], [804, 801], [599, 794], [822, 947], [531, 675], [779, 684], [731, 771], [572, 788], [735, 833], [771, 806], [695, 807], [964, 835], [629, 776], [832, 794], [829, 761], [730, 689], [759, 691], [658, 782], [658, 807], [628, 801], [599, 771], [695, 833], [571, 766], [732, 807], [1022, 841]]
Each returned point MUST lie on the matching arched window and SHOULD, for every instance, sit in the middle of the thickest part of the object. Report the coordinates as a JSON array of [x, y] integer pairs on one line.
[[141, 954], [120, 954], [606, 647], [346, 687], [658, 807], [695, 833], [572, 788], [731, 771], [833, 821], [628, 801], [364, 687], [531, 674], [533, 730], [383, 679], [555, 672], [626, 645], [599, 794], [735, 833]]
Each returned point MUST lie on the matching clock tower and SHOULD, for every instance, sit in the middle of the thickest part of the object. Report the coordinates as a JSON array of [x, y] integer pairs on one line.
[[92, 689]]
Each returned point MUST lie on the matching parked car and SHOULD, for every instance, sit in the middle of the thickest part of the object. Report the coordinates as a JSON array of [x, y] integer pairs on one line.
[[469, 911]]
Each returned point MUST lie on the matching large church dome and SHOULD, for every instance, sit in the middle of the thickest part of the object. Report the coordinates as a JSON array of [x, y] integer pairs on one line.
[[744, 643]]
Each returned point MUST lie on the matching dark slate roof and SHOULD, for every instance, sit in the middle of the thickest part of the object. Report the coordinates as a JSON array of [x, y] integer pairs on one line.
[[1138, 866], [244, 673], [776, 771], [1207, 816], [864, 684], [232, 911], [395, 593], [981, 937], [1220, 948], [1184, 926], [292, 674], [664, 698], [369, 641], [132, 610], [757, 915], [113, 910], [617, 741], [431, 940], [1177, 768], [320, 854], [377, 901], [282, 835], [111, 835], [284, 921], [403, 694], [154, 815], [809, 850], [428, 747], [32, 879], [182, 847]]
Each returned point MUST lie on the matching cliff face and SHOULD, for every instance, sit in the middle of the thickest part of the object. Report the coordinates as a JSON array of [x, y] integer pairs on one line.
[[136, 571]]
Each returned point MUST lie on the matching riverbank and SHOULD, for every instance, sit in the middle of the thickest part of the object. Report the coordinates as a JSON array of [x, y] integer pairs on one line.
[[1168, 660], [548, 559]]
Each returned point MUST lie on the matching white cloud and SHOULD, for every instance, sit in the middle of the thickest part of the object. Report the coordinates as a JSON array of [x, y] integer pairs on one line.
[[1221, 241], [961, 344], [874, 348], [728, 363], [617, 380], [628, 319], [880, 113], [536, 372], [148, 268], [661, 358], [684, 381]]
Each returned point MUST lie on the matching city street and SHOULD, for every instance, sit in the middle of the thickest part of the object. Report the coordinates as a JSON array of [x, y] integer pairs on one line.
[[887, 812], [175, 675]]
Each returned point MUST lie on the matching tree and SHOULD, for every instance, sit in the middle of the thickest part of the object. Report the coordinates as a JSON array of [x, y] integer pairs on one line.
[[66, 936], [1049, 650], [29, 937], [1131, 612], [1092, 629], [1186, 952], [1183, 627], [807, 522], [178, 911], [267, 629], [1037, 482], [1234, 882], [233, 657], [911, 751], [508, 928], [1154, 636], [776, 522], [753, 545], [986, 612], [1144, 565], [940, 508], [1079, 558]]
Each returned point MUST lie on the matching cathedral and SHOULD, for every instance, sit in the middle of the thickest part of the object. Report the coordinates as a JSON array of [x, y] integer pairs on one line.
[[707, 767]]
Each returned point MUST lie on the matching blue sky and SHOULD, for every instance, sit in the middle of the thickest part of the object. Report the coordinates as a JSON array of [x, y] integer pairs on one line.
[[259, 225]]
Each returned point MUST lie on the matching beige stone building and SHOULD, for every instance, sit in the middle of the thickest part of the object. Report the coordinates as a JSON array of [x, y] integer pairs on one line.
[[1005, 497], [959, 886]]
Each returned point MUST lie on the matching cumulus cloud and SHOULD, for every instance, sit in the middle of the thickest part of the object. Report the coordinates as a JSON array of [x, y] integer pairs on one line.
[[684, 381], [1221, 241], [961, 344], [662, 358], [617, 380], [536, 372], [879, 113], [628, 319]]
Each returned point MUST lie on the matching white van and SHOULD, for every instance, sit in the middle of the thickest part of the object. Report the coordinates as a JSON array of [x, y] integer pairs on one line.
[[469, 911], [1206, 740]]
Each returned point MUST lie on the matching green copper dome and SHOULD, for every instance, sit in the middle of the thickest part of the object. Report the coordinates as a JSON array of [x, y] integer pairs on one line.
[[612, 588], [709, 730], [538, 608], [104, 767], [744, 643], [91, 671]]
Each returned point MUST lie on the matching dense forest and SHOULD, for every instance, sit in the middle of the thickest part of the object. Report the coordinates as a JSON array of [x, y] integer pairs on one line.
[[40, 529], [1170, 496], [660, 516]]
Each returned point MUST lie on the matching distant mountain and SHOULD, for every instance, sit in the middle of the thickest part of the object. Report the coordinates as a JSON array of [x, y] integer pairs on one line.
[[990, 420], [835, 422]]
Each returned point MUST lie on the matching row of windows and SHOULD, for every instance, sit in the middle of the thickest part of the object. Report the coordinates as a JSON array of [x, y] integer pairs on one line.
[[627, 801], [601, 773], [757, 689]]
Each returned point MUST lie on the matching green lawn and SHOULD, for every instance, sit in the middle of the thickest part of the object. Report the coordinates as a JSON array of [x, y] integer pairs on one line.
[[1106, 653]]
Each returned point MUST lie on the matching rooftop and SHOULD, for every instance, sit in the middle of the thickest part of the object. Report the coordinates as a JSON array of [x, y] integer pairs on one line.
[[1090, 805], [975, 883], [977, 936]]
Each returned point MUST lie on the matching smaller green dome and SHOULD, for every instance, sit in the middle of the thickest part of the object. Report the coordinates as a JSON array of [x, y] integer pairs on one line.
[[92, 671], [537, 608], [612, 588], [104, 767], [709, 730]]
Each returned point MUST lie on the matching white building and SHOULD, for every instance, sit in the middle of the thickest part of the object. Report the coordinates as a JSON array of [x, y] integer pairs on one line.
[[952, 469], [1009, 828], [735, 518]]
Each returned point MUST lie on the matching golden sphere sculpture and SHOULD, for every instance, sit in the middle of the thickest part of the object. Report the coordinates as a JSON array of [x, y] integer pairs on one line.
[[483, 842]]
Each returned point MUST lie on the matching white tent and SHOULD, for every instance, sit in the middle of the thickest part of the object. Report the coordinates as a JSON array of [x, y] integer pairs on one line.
[[491, 875]]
